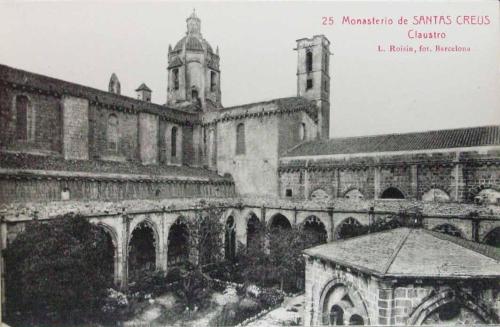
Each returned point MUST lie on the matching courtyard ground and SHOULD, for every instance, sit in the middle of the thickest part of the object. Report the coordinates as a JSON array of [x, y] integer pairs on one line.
[[159, 313], [290, 313]]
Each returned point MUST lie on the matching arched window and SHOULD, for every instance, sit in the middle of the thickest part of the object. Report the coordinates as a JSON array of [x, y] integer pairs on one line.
[[173, 142], [348, 228], [213, 81], [113, 133], [175, 78], [230, 239], [240, 138], [309, 61], [336, 316], [302, 131], [25, 119], [392, 193]]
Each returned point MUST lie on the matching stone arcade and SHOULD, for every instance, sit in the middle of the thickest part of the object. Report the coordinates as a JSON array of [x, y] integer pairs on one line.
[[140, 170]]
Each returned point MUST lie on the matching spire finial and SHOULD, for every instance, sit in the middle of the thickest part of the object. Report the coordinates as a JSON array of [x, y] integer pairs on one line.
[[193, 23]]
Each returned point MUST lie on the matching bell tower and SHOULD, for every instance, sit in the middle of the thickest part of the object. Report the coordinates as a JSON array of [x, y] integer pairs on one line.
[[313, 77], [193, 71]]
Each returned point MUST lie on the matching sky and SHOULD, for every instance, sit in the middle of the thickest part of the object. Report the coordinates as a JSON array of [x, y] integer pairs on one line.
[[371, 92]]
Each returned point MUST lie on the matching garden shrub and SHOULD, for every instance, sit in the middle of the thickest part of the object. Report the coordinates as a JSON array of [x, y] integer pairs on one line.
[[58, 272]]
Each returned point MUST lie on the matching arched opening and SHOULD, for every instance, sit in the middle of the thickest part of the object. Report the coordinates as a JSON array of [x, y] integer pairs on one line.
[[336, 316], [112, 133], [178, 243], [254, 232], [25, 119], [435, 195], [315, 229], [302, 131], [142, 251], [240, 139], [279, 221], [173, 142], [109, 261], [448, 229], [493, 237], [213, 81], [453, 313], [392, 193], [309, 61], [230, 239], [348, 228], [354, 194], [356, 320], [175, 77]]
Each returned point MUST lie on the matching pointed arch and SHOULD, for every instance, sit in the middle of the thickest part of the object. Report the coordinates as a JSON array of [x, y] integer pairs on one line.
[[254, 231], [349, 227], [492, 238], [178, 242], [279, 221], [143, 248], [316, 229], [112, 261], [354, 194], [436, 195]]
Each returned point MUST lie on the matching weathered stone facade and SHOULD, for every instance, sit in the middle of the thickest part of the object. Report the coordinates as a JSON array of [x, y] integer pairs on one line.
[[123, 162]]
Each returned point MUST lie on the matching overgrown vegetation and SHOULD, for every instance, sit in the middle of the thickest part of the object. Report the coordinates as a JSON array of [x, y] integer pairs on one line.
[[58, 272]]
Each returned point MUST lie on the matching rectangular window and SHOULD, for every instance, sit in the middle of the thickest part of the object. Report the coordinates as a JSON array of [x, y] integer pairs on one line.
[[309, 84], [288, 192]]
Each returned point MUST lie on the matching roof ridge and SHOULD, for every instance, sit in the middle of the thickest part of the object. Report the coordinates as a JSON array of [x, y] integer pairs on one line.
[[481, 248], [398, 248], [415, 132]]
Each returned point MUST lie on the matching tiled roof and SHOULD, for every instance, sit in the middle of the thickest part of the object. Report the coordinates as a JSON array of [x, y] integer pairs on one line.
[[288, 104], [46, 163], [28, 80], [410, 252], [441, 139], [143, 87]]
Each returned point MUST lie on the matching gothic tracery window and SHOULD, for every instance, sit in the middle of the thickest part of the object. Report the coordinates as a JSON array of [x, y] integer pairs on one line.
[[213, 81]]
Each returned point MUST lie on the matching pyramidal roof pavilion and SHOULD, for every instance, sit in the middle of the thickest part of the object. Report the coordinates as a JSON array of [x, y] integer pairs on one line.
[[412, 253]]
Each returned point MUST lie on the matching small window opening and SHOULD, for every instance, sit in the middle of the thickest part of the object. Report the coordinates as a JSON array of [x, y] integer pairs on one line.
[[309, 61], [288, 192], [176, 78], [213, 81], [309, 84]]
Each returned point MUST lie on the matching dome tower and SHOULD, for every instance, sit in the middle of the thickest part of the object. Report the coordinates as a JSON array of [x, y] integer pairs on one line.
[[193, 71]]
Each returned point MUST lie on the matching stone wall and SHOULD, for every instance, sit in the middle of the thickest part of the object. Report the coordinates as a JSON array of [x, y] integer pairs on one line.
[[47, 121], [460, 175], [382, 301]]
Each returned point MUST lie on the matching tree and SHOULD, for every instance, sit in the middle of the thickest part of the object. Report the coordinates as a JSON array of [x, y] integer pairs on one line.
[[55, 272], [206, 236]]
